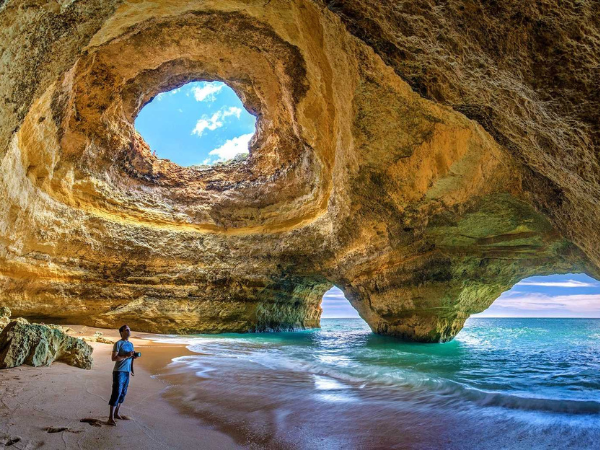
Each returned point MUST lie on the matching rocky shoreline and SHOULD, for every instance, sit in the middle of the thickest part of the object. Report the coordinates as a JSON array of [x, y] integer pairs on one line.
[[37, 345]]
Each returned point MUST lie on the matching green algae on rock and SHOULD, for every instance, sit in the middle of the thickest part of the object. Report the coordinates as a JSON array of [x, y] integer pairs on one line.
[[40, 345]]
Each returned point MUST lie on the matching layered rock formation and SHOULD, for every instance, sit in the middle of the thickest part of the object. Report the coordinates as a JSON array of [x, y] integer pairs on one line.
[[423, 157]]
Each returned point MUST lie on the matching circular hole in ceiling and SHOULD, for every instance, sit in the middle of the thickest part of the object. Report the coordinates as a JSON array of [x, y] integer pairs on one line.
[[199, 124]]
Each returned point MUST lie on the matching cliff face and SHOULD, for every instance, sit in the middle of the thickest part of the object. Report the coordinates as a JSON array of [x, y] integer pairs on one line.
[[422, 158]]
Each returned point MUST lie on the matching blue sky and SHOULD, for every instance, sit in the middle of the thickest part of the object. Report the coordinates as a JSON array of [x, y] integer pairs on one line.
[[335, 305], [570, 295], [199, 123]]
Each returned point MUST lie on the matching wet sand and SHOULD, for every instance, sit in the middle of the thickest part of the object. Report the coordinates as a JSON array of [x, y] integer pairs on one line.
[[41, 407], [281, 391]]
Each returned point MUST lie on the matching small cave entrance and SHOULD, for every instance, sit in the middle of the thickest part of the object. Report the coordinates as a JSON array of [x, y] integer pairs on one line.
[[571, 295], [199, 124], [336, 306]]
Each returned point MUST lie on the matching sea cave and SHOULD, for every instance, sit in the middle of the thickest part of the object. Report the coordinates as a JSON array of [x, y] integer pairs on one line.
[[347, 268], [422, 197]]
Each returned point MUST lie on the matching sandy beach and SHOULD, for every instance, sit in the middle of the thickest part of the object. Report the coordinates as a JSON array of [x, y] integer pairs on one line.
[[41, 407], [338, 387]]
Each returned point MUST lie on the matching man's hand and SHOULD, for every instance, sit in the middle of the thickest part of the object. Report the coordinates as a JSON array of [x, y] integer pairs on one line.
[[115, 356]]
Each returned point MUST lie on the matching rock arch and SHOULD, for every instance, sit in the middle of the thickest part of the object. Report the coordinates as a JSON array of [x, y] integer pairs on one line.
[[421, 209]]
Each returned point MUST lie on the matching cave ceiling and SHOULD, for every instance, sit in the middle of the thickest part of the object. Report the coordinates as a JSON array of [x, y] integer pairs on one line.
[[421, 156]]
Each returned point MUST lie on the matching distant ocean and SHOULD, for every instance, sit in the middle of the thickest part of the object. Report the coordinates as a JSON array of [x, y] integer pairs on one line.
[[502, 383]]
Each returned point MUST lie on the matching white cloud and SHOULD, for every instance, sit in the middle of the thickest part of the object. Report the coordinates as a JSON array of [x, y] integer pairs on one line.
[[207, 91], [566, 284], [160, 96], [216, 120], [334, 292], [336, 306], [540, 304], [232, 111], [229, 149], [205, 123]]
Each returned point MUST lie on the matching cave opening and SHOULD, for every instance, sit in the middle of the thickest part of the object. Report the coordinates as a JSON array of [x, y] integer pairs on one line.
[[336, 306], [202, 123], [571, 295]]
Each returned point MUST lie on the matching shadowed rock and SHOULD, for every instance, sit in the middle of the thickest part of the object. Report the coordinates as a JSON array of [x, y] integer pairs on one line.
[[39, 345]]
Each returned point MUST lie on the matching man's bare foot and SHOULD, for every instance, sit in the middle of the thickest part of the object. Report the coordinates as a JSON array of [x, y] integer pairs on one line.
[[111, 422], [122, 417]]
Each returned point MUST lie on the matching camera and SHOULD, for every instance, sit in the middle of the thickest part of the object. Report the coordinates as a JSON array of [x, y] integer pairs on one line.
[[137, 354]]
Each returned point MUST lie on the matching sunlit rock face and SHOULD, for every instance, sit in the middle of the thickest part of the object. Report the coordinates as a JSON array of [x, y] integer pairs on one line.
[[407, 154]]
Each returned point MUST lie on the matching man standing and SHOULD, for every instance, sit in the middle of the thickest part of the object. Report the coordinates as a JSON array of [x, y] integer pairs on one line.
[[123, 355]]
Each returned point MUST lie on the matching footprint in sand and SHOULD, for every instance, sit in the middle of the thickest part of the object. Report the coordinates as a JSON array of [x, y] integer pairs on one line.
[[60, 430], [93, 422], [12, 441]]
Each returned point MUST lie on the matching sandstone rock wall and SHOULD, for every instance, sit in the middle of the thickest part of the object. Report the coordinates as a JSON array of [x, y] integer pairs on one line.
[[415, 154], [528, 72]]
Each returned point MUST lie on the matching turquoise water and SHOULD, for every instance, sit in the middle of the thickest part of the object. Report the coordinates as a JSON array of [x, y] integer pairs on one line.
[[502, 383]]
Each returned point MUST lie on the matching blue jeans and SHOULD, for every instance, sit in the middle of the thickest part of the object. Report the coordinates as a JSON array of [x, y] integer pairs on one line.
[[119, 387]]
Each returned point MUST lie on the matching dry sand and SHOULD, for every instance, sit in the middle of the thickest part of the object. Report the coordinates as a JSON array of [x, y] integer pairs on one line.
[[34, 399]]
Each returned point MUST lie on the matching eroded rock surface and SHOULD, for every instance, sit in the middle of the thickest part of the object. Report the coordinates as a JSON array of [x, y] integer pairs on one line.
[[422, 156], [40, 345], [4, 316]]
